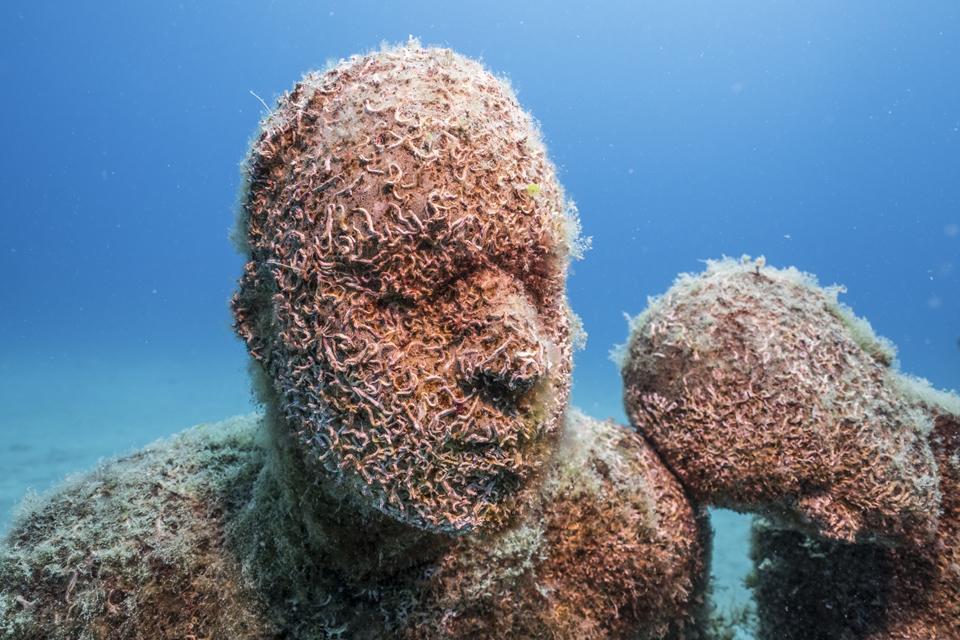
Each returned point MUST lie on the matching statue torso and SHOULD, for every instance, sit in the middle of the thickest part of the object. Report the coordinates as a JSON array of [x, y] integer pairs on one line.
[[193, 537]]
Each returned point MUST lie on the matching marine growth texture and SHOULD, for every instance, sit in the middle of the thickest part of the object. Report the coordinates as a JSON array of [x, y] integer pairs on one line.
[[764, 394], [408, 242], [808, 589], [195, 537], [404, 298]]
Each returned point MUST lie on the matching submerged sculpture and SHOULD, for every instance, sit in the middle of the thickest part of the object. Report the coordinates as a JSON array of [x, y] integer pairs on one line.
[[764, 394], [870, 591], [418, 472], [405, 288]]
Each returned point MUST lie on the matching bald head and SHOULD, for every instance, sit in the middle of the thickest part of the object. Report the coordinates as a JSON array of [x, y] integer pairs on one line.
[[407, 243]]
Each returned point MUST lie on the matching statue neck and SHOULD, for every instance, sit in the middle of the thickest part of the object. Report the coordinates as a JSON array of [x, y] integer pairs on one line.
[[351, 537]]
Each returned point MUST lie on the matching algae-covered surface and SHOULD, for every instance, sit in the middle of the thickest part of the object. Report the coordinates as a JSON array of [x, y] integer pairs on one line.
[[185, 538], [821, 134], [118, 403], [113, 553]]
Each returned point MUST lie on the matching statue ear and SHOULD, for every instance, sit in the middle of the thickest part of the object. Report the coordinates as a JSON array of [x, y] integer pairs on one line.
[[252, 317]]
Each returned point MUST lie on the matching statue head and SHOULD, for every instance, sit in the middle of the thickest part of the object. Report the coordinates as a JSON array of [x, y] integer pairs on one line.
[[764, 394], [407, 244]]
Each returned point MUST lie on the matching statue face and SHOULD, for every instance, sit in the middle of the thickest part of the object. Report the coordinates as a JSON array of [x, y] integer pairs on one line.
[[405, 286]]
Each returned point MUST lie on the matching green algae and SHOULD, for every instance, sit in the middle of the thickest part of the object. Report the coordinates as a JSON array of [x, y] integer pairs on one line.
[[107, 553]]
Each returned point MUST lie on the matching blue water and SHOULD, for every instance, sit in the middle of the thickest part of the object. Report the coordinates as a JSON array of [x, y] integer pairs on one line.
[[822, 134]]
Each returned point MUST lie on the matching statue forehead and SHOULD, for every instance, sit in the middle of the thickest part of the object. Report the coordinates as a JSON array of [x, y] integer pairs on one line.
[[406, 157]]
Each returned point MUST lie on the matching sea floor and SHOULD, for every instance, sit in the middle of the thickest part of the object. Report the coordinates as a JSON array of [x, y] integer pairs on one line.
[[61, 413]]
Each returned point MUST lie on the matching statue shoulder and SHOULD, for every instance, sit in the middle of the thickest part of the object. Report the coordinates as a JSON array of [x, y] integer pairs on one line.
[[134, 548], [624, 544], [611, 548]]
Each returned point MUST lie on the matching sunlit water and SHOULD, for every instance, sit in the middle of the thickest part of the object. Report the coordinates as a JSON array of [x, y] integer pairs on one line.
[[824, 135]]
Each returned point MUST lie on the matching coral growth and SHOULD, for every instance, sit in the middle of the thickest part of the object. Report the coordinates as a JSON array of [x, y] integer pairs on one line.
[[405, 286], [135, 548], [197, 537], [419, 474], [763, 394], [808, 589], [611, 549]]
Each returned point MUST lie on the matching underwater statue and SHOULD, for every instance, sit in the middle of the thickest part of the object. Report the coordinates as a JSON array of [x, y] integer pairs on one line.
[[867, 591], [766, 395], [417, 472]]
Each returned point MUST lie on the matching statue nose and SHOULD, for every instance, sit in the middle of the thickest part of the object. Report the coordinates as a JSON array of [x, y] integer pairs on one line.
[[511, 353], [502, 360]]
